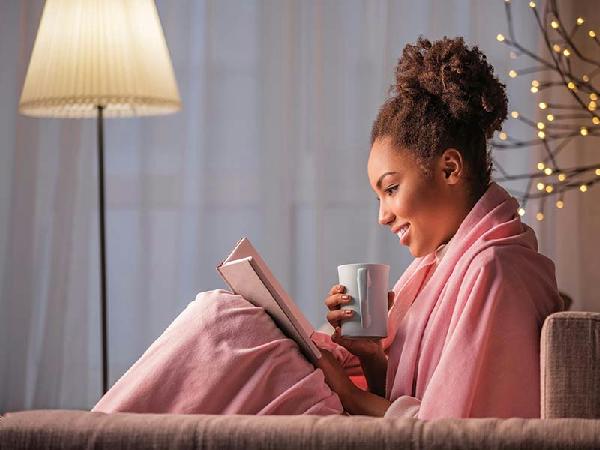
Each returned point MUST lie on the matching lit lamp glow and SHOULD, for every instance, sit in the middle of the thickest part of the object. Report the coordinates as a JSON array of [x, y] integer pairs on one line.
[[97, 58]]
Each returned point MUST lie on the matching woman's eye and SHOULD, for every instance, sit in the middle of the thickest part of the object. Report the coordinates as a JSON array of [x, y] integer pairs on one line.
[[391, 189]]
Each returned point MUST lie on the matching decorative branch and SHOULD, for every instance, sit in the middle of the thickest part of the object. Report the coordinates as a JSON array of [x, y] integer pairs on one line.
[[564, 124]]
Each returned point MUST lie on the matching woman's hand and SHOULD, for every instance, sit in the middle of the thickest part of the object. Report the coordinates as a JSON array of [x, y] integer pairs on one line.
[[364, 348], [354, 400]]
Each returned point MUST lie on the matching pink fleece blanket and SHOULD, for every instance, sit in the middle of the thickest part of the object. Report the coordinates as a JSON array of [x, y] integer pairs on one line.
[[466, 342], [222, 355]]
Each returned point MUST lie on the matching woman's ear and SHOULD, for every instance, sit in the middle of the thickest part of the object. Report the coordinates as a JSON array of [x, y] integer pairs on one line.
[[452, 165]]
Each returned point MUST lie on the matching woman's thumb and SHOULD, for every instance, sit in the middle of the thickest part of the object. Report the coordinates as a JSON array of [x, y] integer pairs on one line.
[[391, 296]]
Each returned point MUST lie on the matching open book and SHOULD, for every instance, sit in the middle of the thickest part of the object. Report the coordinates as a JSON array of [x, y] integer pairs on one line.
[[246, 273]]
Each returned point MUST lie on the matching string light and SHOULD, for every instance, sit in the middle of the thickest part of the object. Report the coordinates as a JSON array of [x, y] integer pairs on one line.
[[549, 189], [521, 211], [580, 21], [502, 136], [543, 105], [548, 171], [583, 188], [541, 186], [593, 96], [592, 105], [571, 85], [500, 37], [535, 83], [583, 131], [549, 117], [532, 4], [595, 120], [592, 34], [560, 204], [534, 90], [556, 48], [541, 166], [566, 52], [562, 177], [539, 216], [512, 73], [541, 134], [554, 24], [585, 78], [541, 125], [514, 115], [598, 172]]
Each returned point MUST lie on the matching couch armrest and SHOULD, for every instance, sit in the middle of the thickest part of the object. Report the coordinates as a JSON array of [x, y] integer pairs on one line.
[[570, 365]]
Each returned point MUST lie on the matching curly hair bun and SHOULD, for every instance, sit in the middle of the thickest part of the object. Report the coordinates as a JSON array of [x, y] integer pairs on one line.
[[453, 75]]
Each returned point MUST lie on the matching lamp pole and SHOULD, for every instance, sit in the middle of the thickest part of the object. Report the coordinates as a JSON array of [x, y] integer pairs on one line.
[[101, 222]]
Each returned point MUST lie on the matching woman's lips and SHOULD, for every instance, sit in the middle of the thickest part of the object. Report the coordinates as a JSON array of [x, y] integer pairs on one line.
[[403, 233]]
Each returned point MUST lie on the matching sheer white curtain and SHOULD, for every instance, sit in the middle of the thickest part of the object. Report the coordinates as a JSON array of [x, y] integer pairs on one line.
[[272, 143]]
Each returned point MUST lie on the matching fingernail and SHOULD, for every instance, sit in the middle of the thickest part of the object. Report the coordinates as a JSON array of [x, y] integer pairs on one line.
[[349, 312], [345, 297]]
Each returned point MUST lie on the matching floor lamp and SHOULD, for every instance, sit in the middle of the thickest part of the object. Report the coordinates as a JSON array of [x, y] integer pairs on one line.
[[99, 58]]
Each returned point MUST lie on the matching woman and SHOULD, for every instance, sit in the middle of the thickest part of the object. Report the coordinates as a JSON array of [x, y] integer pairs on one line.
[[465, 323]]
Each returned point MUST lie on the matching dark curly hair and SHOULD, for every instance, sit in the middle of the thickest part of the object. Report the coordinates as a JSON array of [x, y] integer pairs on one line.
[[445, 95]]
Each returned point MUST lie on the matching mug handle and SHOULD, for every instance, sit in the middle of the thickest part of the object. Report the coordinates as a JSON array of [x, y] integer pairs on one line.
[[362, 280]]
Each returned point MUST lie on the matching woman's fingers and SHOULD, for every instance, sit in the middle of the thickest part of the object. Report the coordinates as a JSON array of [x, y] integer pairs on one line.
[[337, 289], [334, 317], [336, 301]]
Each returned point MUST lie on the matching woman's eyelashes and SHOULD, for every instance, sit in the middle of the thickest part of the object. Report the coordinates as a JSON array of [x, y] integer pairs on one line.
[[390, 190]]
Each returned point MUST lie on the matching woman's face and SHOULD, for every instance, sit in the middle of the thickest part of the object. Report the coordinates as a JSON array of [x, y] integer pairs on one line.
[[423, 211]]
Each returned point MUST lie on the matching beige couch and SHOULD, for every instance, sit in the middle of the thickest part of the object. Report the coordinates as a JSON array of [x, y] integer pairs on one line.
[[570, 379]]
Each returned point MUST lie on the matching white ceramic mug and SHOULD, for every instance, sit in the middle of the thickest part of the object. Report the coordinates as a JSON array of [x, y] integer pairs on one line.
[[367, 284]]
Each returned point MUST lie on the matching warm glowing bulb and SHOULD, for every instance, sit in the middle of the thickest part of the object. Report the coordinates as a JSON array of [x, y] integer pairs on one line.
[[560, 204], [583, 131], [592, 105], [521, 211], [548, 171], [585, 78], [532, 4], [554, 24], [595, 120], [500, 38], [514, 115], [592, 34], [543, 105], [512, 74], [535, 83], [598, 172], [583, 188], [571, 85], [549, 189], [556, 48], [541, 125], [566, 52], [580, 21], [539, 216], [593, 96], [502, 136], [541, 186], [549, 117], [541, 134], [562, 177], [541, 166], [534, 90]]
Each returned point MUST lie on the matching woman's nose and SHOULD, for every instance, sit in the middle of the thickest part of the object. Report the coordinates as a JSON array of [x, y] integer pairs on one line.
[[385, 216]]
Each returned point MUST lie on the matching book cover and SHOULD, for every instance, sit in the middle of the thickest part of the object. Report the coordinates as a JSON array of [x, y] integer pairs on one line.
[[248, 275]]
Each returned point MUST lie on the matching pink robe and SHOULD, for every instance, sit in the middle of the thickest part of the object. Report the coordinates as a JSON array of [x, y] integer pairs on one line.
[[463, 339]]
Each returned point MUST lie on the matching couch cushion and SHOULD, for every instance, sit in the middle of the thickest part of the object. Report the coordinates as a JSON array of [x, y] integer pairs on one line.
[[570, 365], [60, 429]]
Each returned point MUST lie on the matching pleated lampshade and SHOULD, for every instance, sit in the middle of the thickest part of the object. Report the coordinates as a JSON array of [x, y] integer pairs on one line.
[[90, 53]]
